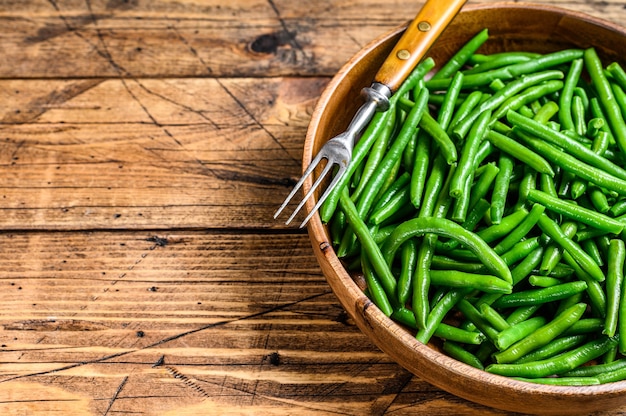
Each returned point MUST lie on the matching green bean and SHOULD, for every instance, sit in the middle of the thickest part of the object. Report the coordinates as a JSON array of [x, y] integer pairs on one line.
[[466, 161], [375, 287], [519, 331], [452, 333], [476, 318], [543, 281], [459, 353], [497, 62], [409, 262], [521, 230], [488, 173], [474, 216], [439, 311], [595, 292], [484, 283], [368, 244], [542, 336], [511, 71], [368, 138], [586, 326], [439, 135], [422, 280], [520, 152], [553, 348], [565, 99], [520, 250], [493, 317], [554, 252], [556, 365], [552, 229], [434, 186], [578, 113], [461, 129], [614, 281], [508, 223], [462, 55], [563, 381], [501, 187], [606, 96], [578, 150], [466, 108], [597, 369], [540, 296], [593, 250], [479, 58], [448, 105], [527, 96], [446, 228], [619, 208], [618, 74], [576, 212], [420, 169]]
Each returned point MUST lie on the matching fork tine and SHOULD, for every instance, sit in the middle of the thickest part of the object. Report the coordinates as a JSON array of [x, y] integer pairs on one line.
[[298, 185], [308, 195], [325, 195]]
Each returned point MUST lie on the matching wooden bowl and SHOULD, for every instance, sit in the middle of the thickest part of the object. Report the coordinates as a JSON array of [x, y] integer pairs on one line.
[[512, 26]]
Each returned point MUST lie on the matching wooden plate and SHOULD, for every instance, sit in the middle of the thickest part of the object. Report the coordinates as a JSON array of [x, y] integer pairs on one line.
[[512, 26]]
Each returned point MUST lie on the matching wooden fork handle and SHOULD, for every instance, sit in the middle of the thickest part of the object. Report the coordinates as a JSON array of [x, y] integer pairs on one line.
[[419, 36]]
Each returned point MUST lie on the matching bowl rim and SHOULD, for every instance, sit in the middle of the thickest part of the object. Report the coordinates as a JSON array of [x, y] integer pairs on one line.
[[322, 247]]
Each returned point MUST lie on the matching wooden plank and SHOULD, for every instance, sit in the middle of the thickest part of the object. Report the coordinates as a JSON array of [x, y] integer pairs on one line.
[[202, 38], [179, 322], [151, 153]]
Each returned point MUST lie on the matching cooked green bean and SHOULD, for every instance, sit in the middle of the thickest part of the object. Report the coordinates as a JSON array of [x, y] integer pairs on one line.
[[517, 332], [483, 282], [408, 262], [536, 212], [375, 287], [501, 187], [377, 260], [439, 311], [614, 281], [456, 351], [578, 150], [461, 129], [446, 228], [466, 161], [542, 336], [576, 212], [441, 138], [606, 96], [540, 296], [551, 228], [565, 99], [520, 152], [556, 365]]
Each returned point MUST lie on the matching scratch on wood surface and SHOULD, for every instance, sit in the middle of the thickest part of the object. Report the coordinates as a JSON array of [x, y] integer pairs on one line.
[[186, 381], [115, 396]]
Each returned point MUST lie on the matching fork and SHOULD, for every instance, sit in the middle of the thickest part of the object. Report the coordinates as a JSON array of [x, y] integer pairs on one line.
[[421, 33]]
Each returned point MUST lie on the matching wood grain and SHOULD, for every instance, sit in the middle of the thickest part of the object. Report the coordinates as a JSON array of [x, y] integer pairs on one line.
[[143, 149]]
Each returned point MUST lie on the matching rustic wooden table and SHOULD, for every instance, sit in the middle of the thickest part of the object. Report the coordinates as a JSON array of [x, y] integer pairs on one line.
[[144, 148]]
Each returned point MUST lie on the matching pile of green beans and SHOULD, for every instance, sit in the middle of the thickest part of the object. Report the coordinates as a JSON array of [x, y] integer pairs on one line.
[[485, 212]]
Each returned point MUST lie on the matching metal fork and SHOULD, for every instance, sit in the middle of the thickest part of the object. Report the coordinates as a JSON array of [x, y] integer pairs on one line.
[[421, 33], [338, 151]]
